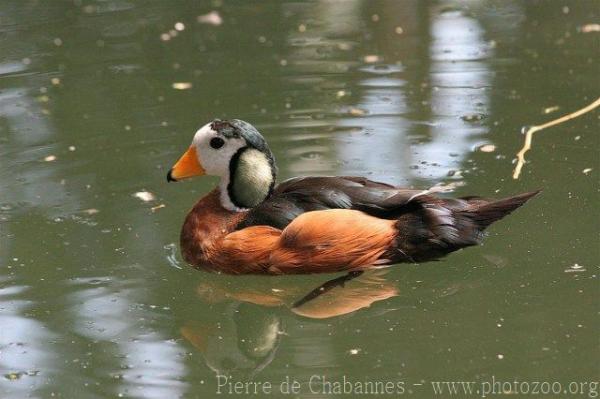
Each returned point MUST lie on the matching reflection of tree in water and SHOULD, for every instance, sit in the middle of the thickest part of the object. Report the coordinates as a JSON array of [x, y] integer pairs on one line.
[[430, 61], [30, 192]]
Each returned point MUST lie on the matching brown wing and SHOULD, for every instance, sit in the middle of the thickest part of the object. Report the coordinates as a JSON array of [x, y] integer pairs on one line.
[[314, 242]]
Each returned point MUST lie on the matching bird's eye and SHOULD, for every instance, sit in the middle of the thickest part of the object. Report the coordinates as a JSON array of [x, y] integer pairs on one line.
[[217, 142]]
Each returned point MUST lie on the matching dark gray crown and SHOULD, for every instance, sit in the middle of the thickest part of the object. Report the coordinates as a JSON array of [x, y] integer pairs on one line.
[[236, 128]]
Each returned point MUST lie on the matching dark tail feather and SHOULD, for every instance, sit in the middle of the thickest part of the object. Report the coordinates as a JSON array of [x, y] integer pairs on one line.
[[486, 213], [440, 226]]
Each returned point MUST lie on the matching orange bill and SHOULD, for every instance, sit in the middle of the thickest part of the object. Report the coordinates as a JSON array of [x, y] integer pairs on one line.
[[187, 166]]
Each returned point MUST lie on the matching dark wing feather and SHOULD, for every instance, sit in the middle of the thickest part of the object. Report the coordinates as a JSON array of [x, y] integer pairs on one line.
[[295, 196]]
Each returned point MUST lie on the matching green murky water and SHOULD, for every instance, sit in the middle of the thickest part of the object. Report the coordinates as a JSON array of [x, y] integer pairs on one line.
[[98, 99]]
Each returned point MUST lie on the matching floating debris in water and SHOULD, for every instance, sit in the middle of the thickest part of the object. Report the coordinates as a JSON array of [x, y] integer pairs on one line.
[[13, 376], [301, 28], [212, 18], [529, 131], [354, 351], [91, 211], [357, 111], [575, 268], [500, 356], [81, 220], [165, 37], [50, 158], [179, 26], [586, 171], [72, 148], [57, 41], [145, 196], [171, 250], [454, 173], [399, 30], [340, 93], [55, 81], [182, 85], [549, 110], [157, 207], [589, 28], [371, 58], [487, 148], [446, 187], [472, 117]]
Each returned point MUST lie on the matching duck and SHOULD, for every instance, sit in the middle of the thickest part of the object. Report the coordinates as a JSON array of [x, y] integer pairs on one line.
[[249, 224]]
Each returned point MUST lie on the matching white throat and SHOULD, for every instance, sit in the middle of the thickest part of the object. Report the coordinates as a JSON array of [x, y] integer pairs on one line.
[[224, 196]]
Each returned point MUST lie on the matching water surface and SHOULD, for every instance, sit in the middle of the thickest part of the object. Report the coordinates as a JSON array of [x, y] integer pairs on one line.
[[99, 98]]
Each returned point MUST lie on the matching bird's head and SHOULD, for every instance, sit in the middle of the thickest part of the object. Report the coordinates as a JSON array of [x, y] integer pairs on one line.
[[235, 152]]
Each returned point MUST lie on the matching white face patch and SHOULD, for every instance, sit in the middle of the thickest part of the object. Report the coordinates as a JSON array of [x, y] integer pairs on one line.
[[215, 161]]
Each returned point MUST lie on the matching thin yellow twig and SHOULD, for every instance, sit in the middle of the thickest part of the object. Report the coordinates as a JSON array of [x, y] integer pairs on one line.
[[529, 133]]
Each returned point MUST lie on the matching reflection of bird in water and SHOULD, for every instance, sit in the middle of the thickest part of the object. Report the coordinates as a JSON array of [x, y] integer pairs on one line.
[[248, 225], [250, 329], [335, 297], [243, 343]]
